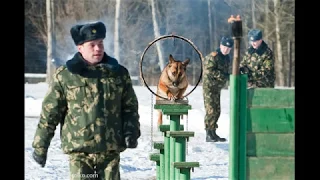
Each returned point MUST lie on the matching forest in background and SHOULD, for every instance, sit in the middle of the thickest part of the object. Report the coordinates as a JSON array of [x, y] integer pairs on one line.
[[132, 25]]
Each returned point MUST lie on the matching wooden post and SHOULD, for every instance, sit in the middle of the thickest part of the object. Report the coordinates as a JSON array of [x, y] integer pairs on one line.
[[236, 28], [234, 172]]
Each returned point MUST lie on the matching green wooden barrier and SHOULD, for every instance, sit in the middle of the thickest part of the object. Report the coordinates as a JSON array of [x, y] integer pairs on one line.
[[270, 134], [160, 146], [238, 114], [174, 145], [184, 169], [164, 128], [181, 138], [156, 158], [174, 110], [262, 132]]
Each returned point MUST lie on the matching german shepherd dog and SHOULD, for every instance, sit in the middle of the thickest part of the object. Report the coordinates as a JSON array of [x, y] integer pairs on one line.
[[173, 82]]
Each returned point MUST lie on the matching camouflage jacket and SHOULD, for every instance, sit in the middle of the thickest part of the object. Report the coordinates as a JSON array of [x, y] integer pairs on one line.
[[216, 69], [259, 65], [96, 107]]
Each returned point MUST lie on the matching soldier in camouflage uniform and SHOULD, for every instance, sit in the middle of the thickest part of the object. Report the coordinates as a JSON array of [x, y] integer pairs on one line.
[[93, 99], [258, 62], [216, 72]]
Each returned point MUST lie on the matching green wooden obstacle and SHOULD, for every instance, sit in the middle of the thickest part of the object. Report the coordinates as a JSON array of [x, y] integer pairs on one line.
[[164, 128], [261, 125], [160, 146], [156, 158], [237, 150], [184, 169], [180, 138], [262, 143], [175, 140], [270, 134]]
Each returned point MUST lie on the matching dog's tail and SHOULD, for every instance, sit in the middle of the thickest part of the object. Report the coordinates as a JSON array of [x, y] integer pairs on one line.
[[159, 118]]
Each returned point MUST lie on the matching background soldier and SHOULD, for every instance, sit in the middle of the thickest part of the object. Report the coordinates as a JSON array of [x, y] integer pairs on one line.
[[258, 62], [215, 75], [92, 98]]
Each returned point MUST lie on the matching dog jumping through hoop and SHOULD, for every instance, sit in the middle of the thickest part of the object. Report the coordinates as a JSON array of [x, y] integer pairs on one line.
[[173, 82]]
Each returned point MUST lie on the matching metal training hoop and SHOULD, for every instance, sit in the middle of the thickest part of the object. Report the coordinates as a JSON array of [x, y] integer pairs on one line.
[[164, 37]]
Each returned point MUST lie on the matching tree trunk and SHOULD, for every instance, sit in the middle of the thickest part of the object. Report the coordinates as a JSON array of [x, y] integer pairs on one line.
[[253, 14], [156, 35], [210, 25], [290, 64], [116, 31], [50, 68], [266, 29], [215, 34], [279, 59]]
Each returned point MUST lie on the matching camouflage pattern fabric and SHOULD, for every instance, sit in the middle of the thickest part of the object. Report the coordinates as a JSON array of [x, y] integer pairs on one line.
[[215, 75], [96, 107], [258, 64], [100, 166]]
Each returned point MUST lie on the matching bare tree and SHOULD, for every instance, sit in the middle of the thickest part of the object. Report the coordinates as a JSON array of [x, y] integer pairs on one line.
[[266, 29], [50, 67], [210, 25], [279, 60], [253, 13], [35, 12], [156, 35], [139, 22], [116, 31], [214, 39], [136, 33]]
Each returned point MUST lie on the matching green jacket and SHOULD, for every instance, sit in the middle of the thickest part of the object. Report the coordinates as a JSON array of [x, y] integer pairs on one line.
[[258, 64], [96, 107], [216, 70]]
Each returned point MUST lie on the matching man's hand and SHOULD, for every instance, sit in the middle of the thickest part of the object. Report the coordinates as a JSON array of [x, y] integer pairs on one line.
[[251, 85], [131, 142], [244, 70], [39, 159]]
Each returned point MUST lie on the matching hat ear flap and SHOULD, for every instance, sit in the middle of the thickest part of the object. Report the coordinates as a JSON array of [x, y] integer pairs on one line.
[[75, 33]]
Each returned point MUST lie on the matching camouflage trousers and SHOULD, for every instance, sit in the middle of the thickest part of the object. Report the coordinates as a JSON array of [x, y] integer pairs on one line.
[[211, 98], [100, 166]]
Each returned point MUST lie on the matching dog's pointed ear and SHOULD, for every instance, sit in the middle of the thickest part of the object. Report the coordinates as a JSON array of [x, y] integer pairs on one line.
[[171, 59], [186, 62]]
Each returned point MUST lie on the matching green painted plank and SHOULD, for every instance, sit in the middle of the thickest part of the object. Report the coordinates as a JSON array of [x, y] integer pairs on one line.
[[183, 107], [180, 134], [154, 157], [269, 97], [271, 120], [158, 145], [181, 165], [270, 168], [166, 127], [270, 144], [173, 109]]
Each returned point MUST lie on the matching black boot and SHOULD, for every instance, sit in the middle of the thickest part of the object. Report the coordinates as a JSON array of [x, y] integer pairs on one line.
[[213, 137]]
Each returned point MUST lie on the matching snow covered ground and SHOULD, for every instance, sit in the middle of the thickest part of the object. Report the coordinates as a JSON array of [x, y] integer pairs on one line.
[[135, 163]]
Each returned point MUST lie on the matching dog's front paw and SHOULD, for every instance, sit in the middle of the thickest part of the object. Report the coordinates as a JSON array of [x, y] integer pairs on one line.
[[171, 97]]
